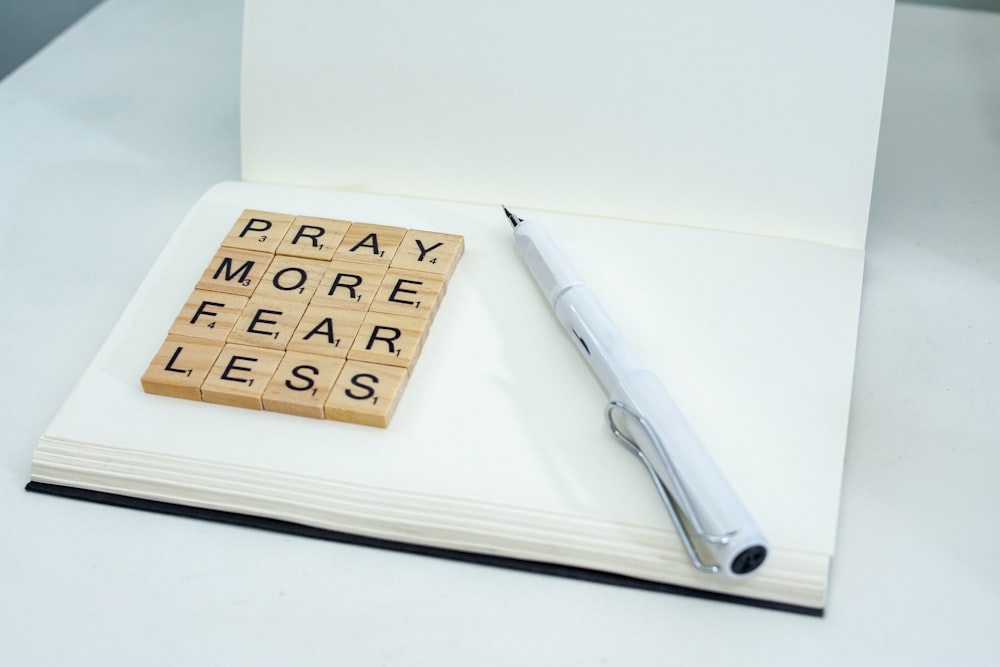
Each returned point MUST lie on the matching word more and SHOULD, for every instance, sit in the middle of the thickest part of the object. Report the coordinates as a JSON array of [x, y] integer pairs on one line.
[[307, 316]]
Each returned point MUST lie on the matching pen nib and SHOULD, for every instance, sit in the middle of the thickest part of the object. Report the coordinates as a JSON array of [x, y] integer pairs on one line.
[[514, 220]]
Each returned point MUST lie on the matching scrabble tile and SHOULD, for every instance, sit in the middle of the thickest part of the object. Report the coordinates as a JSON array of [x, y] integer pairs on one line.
[[291, 278], [234, 271], [209, 315], [313, 238], [267, 323], [349, 285], [366, 394], [301, 384], [394, 340], [408, 293], [326, 331], [370, 243], [261, 231], [180, 366], [240, 376], [308, 316], [429, 252]]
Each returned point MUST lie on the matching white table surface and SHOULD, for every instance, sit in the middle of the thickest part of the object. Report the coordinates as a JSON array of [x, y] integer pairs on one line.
[[109, 135]]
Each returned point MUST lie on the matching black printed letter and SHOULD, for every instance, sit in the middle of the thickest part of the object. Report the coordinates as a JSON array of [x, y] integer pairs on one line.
[[369, 391]]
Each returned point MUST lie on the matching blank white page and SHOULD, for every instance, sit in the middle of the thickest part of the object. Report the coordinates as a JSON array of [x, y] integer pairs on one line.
[[753, 336], [757, 117]]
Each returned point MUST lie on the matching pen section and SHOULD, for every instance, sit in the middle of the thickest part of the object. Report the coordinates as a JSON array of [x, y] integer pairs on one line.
[[307, 316]]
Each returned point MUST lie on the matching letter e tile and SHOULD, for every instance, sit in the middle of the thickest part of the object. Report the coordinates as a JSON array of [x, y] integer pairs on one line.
[[240, 376], [267, 323]]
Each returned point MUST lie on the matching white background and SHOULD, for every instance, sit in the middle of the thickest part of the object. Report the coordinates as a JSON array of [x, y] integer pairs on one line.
[[109, 136]]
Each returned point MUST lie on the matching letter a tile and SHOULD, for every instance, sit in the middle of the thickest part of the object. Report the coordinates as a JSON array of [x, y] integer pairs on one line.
[[409, 293]]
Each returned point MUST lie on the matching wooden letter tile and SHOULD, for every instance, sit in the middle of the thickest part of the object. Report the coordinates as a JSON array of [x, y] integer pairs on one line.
[[409, 293], [209, 315], [234, 271], [302, 384], [291, 278], [349, 285], [258, 230], [326, 331], [240, 376], [308, 316], [430, 252], [180, 366], [370, 243], [267, 323], [313, 238], [366, 394], [394, 340]]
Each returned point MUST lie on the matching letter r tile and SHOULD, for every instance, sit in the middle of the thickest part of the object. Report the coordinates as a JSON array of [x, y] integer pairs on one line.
[[313, 238], [393, 340], [349, 285]]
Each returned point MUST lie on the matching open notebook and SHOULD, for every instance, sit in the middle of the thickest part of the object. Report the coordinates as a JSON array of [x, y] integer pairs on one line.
[[739, 289]]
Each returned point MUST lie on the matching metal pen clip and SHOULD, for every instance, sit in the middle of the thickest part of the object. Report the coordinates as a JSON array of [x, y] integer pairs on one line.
[[682, 509]]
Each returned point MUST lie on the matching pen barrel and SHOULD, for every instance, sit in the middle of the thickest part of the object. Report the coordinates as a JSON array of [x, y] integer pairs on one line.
[[548, 265], [675, 454], [596, 336], [726, 528], [582, 316]]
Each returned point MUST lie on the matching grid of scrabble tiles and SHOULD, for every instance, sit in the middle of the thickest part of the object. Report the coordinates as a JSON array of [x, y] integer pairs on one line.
[[308, 316]]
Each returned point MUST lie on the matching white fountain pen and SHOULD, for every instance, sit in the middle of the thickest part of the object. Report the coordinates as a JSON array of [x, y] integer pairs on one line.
[[715, 528]]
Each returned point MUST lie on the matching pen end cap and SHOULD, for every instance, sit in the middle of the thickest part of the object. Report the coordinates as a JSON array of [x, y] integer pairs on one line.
[[749, 560]]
